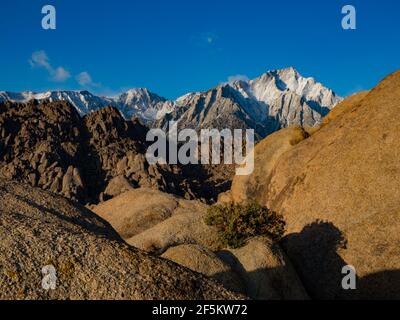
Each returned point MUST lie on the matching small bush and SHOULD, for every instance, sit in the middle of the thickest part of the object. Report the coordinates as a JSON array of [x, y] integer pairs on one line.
[[236, 223]]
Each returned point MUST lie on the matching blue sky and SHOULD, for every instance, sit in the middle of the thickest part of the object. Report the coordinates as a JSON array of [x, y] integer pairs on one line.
[[176, 46]]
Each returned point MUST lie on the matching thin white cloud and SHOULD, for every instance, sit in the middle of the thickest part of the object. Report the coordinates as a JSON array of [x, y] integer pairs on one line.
[[39, 59], [85, 80], [61, 75]]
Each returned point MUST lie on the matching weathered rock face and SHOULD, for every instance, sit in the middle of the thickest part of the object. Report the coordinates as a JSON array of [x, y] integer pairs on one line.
[[119, 147], [41, 145], [154, 221], [351, 102], [38, 229], [204, 261], [266, 154], [265, 270], [50, 146], [137, 210], [339, 192], [117, 186]]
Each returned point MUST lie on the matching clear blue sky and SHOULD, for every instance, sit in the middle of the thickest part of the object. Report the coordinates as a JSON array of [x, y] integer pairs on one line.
[[176, 46]]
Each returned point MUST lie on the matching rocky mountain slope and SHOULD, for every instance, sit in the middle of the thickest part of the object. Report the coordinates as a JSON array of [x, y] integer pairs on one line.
[[39, 229], [339, 192]]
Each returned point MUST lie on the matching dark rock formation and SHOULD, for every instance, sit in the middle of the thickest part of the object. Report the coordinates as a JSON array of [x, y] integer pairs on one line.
[[50, 146]]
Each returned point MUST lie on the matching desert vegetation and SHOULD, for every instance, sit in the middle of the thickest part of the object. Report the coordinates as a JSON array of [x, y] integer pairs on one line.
[[236, 223]]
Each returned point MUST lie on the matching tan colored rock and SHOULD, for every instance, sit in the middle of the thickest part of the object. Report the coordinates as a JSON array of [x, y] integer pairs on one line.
[[266, 271], [339, 192], [225, 197], [137, 210], [346, 105], [204, 261], [39, 229], [185, 226], [117, 186], [267, 153]]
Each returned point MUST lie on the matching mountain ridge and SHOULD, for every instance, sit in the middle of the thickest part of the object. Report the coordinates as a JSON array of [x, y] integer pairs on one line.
[[276, 99]]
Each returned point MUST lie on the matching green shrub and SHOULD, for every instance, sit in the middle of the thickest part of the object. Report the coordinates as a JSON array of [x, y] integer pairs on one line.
[[236, 223]]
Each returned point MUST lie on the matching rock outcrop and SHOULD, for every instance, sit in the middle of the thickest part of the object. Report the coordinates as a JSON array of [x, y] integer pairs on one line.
[[204, 261], [266, 155], [154, 221], [339, 192], [49, 145], [137, 210], [42, 230], [265, 270]]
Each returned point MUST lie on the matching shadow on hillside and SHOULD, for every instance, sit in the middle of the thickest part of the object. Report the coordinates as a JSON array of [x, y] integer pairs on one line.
[[93, 175], [313, 253], [275, 283], [86, 218]]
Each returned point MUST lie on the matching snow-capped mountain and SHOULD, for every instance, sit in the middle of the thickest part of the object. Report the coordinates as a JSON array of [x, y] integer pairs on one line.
[[275, 100], [288, 97], [143, 104], [83, 101], [140, 103]]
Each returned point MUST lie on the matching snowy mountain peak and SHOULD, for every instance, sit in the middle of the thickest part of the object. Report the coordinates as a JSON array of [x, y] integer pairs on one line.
[[142, 103], [273, 84], [289, 72], [139, 95], [276, 99]]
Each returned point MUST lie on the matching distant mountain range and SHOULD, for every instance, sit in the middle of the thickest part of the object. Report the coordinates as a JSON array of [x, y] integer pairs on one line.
[[277, 99], [140, 103]]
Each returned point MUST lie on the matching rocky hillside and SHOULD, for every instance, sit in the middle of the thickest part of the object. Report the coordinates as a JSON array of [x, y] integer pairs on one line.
[[51, 146], [39, 229], [339, 192]]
